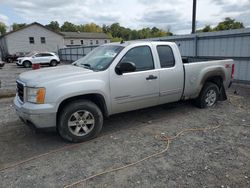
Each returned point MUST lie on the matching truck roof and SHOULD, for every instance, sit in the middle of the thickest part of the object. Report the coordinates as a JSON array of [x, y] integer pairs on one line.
[[126, 43]]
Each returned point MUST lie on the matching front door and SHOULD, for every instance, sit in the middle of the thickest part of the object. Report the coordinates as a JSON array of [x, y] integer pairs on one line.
[[138, 89]]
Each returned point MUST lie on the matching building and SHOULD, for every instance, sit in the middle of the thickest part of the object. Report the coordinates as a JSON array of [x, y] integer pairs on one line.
[[36, 37], [84, 39], [32, 37]]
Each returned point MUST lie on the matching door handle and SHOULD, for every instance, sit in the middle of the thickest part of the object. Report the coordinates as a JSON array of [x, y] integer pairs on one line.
[[151, 77]]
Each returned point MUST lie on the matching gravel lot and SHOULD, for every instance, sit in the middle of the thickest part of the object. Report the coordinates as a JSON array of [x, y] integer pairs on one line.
[[215, 158]]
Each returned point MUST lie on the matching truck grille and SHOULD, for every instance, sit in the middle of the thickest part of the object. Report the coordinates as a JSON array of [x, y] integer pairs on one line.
[[20, 91]]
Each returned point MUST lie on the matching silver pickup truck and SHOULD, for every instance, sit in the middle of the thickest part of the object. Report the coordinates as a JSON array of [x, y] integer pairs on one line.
[[115, 78]]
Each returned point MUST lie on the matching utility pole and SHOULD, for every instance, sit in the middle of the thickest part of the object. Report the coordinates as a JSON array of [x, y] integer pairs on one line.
[[194, 17]]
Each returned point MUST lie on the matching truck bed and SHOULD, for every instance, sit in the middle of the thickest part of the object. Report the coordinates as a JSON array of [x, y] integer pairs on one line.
[[197, 72]]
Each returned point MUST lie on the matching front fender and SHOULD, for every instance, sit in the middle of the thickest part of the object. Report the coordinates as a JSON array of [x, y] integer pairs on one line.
[[67, 90]]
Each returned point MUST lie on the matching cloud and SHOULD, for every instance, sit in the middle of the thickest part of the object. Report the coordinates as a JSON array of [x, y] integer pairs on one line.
[[4, 19], [174, 14]]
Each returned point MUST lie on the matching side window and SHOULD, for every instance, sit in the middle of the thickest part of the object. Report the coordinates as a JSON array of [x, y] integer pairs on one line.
[[141, 56], [46, 54], [32, 40], [38, 55], [166, 56], [43, 41]]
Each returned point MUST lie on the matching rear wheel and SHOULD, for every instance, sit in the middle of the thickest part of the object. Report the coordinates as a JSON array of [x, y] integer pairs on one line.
[[53, 63], [209, 95], [80, 121], [27, 64]]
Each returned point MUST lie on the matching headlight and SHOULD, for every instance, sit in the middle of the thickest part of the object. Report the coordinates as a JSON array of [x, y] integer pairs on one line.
[[35, 95]]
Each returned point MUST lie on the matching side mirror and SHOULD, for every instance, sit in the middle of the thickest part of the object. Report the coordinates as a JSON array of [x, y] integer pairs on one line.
[[124, 67]]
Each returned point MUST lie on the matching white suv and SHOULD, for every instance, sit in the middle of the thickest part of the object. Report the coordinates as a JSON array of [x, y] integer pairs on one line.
[[49, 58]]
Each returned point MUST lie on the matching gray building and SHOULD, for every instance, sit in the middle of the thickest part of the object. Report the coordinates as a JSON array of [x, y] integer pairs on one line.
[[32, 37], [84, 39]]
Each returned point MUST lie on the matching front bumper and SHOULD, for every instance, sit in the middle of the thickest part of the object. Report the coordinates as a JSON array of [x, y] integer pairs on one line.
[[36, 115]]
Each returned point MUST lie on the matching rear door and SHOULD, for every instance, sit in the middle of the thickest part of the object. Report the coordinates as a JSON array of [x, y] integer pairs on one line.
[[171, 74], [138, 89], [46, 57]]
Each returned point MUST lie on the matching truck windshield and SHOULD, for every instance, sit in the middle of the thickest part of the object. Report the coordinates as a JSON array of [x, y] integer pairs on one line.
[[100, 58]]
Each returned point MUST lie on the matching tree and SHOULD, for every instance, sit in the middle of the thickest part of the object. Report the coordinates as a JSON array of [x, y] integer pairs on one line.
[[227, 24], [16, 26], [53, 25], [68, 26], [92, 27], [207, 28], [2, 28]]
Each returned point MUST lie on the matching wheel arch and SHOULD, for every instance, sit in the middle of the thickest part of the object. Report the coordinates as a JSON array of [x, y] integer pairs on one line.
[[96, 98], [217, 77], [26, 60]]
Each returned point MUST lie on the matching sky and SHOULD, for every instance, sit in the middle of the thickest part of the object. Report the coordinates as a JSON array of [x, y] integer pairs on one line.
[[173, 15]]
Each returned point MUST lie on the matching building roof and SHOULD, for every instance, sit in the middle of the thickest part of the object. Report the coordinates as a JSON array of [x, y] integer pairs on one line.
[[85, 35], [26, 26]]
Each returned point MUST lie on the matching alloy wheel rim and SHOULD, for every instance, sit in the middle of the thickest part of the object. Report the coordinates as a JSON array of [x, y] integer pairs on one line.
[[210, 97], [81, 123]]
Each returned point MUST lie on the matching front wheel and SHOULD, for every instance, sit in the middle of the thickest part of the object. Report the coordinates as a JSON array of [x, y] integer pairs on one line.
[[209, 95], [80, 121], [27, 64], [53, 63]]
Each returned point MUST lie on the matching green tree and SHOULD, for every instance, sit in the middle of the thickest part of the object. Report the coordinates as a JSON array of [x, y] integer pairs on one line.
[[207, 28], [53, 25], [68, 26], [16, 26], [229, 23], [92, 27], [2, 28]]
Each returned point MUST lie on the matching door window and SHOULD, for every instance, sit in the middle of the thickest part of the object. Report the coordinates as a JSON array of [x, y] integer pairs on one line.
[[141, 56], [166, 56]]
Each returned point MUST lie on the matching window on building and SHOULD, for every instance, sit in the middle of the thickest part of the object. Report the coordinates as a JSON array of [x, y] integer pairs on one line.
[[71, 41], [141, 56], [91, 42], [166, 56], [106, 41], [32, 40], [43, 41], [97, 42], [81, 42]]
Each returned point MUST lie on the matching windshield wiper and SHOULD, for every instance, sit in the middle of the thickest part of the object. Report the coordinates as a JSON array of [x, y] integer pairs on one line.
[[87, 66]]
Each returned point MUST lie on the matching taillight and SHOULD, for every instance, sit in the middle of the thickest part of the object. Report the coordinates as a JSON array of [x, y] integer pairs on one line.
[[232, 74]]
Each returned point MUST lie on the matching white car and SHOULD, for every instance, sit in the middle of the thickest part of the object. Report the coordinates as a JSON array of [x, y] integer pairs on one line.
[[49, 58]]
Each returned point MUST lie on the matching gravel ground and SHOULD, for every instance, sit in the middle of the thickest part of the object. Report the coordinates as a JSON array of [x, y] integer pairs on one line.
[[215, 158]]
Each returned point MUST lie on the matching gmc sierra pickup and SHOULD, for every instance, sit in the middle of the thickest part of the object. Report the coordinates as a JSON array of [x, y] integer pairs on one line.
[[115, 78]]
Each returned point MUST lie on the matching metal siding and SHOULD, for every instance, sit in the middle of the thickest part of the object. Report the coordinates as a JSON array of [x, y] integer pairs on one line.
[[19, 40]]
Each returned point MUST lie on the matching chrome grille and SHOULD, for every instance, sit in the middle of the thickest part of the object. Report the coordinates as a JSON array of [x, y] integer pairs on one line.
[[20, 91]]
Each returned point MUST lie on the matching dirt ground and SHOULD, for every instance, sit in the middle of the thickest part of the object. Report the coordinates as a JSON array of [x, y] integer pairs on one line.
[[215, 158]]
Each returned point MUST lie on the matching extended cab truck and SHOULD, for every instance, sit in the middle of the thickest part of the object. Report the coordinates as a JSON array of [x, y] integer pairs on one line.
[[115, 78]]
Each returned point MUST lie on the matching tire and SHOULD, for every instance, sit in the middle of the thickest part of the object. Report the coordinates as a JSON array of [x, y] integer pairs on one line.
[[208, 96], [27, 64], [88, 125], [53, 63]]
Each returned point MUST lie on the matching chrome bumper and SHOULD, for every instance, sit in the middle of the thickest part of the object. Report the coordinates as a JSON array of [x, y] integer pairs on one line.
[[38, 116]]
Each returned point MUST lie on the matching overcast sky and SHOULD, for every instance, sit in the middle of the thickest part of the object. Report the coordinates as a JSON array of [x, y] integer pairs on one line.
[[175, 15]]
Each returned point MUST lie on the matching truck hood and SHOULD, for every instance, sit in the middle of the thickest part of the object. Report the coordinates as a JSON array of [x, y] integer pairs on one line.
[[40, 76]]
